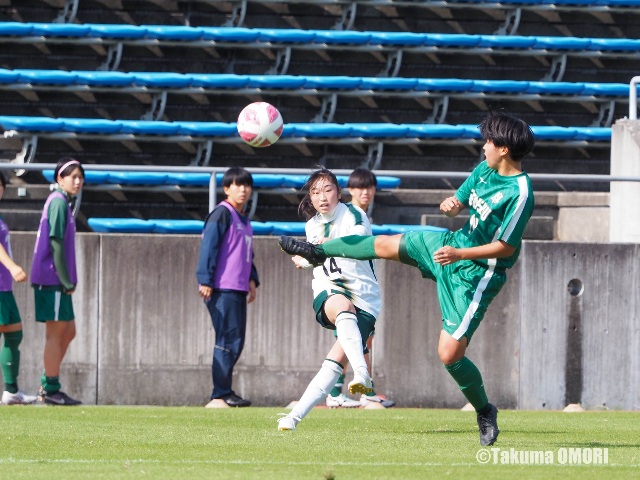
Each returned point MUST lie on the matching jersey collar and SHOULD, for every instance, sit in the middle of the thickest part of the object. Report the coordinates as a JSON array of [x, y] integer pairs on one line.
[[329, 217]]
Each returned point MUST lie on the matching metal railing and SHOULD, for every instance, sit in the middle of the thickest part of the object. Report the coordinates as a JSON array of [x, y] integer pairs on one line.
[[304, 171], [633, 98]]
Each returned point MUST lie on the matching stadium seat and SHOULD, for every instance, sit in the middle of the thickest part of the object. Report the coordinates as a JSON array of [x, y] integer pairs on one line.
[[396, 229], [137, 178], [173, 32], [178, 226], [219, 81], [287, 228], [58, 77], [121, 225]]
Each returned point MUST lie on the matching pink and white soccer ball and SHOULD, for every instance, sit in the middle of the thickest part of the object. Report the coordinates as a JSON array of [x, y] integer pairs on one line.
[[260, 124]]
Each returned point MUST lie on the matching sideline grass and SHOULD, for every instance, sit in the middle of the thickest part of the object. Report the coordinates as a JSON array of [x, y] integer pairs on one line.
[[134, 442]]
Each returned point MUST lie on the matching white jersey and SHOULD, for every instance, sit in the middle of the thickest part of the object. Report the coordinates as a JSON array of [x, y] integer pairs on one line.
[[356, 279]]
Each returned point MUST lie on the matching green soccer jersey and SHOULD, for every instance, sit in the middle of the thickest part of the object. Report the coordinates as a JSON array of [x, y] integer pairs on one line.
[[499, 209]]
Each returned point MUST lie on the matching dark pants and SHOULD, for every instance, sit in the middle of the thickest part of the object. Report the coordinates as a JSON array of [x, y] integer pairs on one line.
[[229, 317]]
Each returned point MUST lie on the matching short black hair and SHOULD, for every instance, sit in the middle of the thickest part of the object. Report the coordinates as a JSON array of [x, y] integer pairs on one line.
[[362, 178], [67, 171], [237, 175], [505, 130]]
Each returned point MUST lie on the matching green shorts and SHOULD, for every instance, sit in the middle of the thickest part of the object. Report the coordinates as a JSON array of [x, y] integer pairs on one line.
[[465, 288], [52, 305], [366, 321], [9, 313]]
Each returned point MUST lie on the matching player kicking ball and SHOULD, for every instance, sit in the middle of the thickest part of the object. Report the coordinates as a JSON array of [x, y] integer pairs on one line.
[[346, 293], [469, 266]]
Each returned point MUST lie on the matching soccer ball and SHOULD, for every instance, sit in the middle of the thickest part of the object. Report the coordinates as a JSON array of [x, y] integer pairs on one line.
[[260, 124]]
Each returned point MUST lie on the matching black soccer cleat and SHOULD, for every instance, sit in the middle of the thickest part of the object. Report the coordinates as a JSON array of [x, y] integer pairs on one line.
[[306, 250], [488, 425], [57, 398]]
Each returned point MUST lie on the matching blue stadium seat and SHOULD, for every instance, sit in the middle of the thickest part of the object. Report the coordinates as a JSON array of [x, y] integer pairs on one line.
[[287, 228], [383, 181], [267, 180], [593, 133], [451, 40], [435, 131], [58, 77], [614, 44], [228, 34], [613, 89], [15, 29], [275, 81], [470, 131], [117, 31], [208, 129], [499, 86], [199, 179], [397, 38], [137, 178], [395, 229], [506, 41], [148, 127], [444, 85], [380, 230], [34, 124], [219, 81], [383, 83], [103, 78], [60, 30], [553, 133], [260, 228], [556, 88], [337, 82], [316, 130], [284, 35], [178, 226], [92, 125], [8, 76], [378, 130], [172, 32], [561, 43], [161, 79], [121, 225], [341, 37], [89, 177]]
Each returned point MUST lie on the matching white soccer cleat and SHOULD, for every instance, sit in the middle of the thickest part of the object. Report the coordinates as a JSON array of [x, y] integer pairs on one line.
[[288, 422], [381, 399], [360, 384], [20, 398], [342, 401]]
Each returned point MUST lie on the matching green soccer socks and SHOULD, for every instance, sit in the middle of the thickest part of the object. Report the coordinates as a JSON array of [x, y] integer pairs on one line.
[[468, 378], [10, 359], [337, 389], [50, 384], [358, 247]]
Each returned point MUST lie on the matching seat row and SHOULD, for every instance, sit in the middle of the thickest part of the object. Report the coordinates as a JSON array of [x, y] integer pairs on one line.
[[134, 225], [261, 37], [202, 179], [151, 80], [292, 131]]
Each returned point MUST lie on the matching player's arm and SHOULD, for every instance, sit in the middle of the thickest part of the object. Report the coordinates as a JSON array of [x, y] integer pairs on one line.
[[448, 255], [451, 207], [215, 228], [16, 270]]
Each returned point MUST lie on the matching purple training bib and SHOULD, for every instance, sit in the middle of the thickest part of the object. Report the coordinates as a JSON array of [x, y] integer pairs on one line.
[[43, 271], [6, 280], [235, 255]]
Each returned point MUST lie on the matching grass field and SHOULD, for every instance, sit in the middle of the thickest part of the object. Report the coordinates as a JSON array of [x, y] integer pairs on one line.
[[128, 442]]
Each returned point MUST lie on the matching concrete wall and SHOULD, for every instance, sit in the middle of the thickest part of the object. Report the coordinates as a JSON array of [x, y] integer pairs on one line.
[[625, 161], [145, 337]]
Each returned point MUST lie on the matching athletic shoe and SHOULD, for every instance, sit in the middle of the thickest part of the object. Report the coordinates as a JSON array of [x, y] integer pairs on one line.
[[288, 422], [360, 384], [58, 398], [234, 400], [19, 398], [381, 399], [488, 425], [342, 401], [306, 250]]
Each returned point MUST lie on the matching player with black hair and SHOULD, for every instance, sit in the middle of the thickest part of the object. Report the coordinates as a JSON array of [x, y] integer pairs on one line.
[[54, 277], [227, 275], [469, 266], [10, 321]]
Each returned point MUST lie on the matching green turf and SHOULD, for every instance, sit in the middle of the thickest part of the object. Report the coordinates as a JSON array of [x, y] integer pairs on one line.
[[126, 442]]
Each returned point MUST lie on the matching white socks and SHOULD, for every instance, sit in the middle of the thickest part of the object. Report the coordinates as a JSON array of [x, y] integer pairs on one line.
[[351, 342], [319, 388]]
